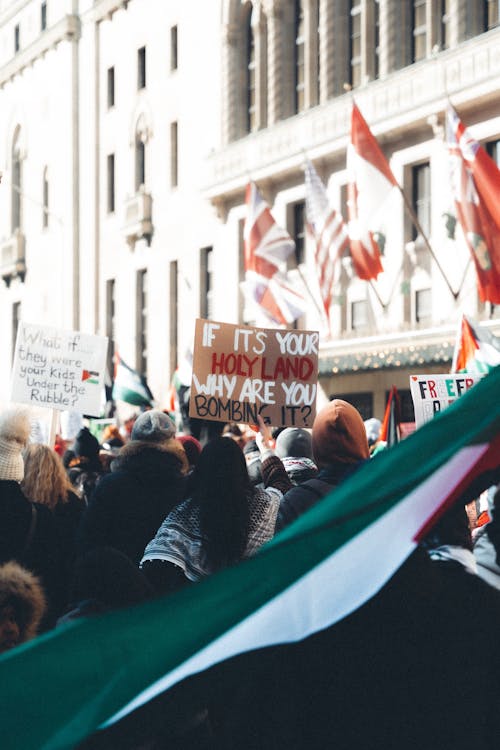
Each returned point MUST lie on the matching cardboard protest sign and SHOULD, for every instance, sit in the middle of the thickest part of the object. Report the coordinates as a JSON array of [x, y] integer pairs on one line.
[[240, 372], [433, 393], [58, 369]]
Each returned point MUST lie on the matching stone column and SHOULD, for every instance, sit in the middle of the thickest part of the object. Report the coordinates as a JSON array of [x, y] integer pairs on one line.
[[231, 80], [326, 43]]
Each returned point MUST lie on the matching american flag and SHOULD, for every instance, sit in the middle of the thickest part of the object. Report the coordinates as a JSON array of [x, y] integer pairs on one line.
[[267, 246], [329, 231]]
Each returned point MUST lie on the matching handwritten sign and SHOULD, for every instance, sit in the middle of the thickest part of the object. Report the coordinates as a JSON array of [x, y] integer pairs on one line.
[[240, 372], [433, 393], [58, 369]]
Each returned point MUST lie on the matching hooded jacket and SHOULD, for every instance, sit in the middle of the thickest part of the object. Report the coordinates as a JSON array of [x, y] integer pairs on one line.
[[129, 504], [340, 446]]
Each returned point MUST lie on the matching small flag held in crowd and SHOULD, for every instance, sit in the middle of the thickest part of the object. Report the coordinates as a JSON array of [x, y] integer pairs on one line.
[[370, 187], [130, 386], [328, 229], [475, 181], [267, 247], [476, 349], [390, 431], [311, 575]]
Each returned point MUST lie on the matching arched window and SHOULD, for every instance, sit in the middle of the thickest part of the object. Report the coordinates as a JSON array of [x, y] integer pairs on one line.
[[17, 182], [45, 199]]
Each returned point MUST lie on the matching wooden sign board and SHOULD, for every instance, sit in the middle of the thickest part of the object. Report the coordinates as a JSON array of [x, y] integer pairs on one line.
[[240, 372]]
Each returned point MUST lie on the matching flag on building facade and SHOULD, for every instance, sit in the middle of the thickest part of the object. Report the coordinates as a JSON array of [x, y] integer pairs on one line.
[[329, 231], [314, 573], [475, 181], [267, 246], [130, 386], [476, 349], [390, 431], [370, 187]]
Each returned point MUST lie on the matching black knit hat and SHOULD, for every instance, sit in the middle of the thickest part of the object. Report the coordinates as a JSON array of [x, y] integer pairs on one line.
[[294, 441], [86, 444]]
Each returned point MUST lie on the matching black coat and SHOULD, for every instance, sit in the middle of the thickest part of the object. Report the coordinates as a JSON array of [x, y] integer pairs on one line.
[[43, 556], [128, 505]]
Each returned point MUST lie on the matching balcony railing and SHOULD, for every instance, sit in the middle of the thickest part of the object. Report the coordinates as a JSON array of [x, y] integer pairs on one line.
[[138, 222]]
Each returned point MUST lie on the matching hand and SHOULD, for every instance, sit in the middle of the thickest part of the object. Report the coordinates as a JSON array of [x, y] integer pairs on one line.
[[264, 438]]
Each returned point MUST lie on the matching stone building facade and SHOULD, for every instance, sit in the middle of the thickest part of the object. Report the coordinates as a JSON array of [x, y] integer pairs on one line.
[[130, 129]]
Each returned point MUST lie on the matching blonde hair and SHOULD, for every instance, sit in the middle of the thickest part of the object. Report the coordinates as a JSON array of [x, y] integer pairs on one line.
[[45, 479]]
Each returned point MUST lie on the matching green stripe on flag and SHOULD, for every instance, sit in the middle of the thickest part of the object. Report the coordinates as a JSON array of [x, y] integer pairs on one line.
[[92, 668]]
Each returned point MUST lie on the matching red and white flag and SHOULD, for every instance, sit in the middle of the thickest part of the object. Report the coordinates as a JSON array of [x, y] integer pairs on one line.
[[475, 181], [267, 247], [329, 231], [371, 185]]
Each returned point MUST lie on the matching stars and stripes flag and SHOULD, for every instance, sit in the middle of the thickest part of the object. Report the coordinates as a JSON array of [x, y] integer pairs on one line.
[[315, 572], [329, 231], [476, 349], [475, 181], [370, 187], [267, 246]]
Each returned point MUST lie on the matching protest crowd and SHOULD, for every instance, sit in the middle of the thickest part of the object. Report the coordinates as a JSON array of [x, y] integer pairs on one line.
[[161, 503]]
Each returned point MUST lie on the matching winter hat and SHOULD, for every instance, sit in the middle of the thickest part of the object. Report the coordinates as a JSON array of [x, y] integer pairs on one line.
[[23, 590], [294, 441], [153, 426], [339, 434], [15, 429], [372, 427], [86, 444]]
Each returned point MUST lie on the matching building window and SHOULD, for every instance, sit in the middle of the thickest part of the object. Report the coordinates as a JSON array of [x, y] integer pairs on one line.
[[173, 314], [423, 306], [493, 149], [421, 187], [16, 317], [206, 283], [376, 39], [298, 229], [140, 162], [111, 87], [45, 199], [419, 30], [359, 315], [251, 103], [445, 23], [17, 184], [17, 33], [363, 402], [111, 184], [43, 16], [174, 155], [300, 52], [173, 48], [141, 68], [142, 323], [491, 11], [111, 322], [355, 43]]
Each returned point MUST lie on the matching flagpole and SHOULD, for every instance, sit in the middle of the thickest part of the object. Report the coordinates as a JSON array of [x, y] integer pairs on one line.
[[377, 295], [304, 281], [418, 226]]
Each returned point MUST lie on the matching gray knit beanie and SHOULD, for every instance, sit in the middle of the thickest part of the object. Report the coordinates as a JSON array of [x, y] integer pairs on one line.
[[15, 428], [153, 426]]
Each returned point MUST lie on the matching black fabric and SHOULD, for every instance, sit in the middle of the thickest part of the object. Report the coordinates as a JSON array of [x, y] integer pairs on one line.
[[128, 505], [44, 556], [299, 499]]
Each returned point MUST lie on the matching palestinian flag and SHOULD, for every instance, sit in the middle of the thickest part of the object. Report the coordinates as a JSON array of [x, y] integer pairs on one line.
[[390, 431], [476, 349], [317, 571], [130, 386]]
